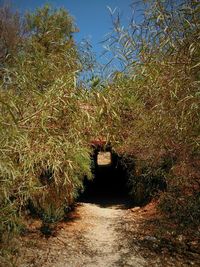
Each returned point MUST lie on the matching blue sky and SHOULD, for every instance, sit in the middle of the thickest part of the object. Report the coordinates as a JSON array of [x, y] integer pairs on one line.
[[91, 16]]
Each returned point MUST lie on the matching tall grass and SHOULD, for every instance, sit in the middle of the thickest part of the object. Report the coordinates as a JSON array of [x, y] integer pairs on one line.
[[44, 157], [156, 99]]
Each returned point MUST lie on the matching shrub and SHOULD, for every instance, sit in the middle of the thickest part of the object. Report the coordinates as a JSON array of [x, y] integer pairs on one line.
[[44, 156], [156, 98]]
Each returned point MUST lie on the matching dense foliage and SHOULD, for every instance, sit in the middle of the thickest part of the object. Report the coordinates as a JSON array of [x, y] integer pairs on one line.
[[156, 100], [43, 154], [149, 111]]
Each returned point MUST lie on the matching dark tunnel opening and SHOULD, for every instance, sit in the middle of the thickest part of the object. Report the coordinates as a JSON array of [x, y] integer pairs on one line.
[[109, 185]]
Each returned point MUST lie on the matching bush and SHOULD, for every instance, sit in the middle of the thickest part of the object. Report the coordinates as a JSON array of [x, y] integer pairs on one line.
[[155, 100], [43, 154]]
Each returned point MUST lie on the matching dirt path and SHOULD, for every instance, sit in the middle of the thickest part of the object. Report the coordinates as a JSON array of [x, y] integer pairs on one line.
[[103, 241], [95, 236]]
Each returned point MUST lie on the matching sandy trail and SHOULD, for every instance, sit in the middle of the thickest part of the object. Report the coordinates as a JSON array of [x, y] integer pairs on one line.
[[95, 236], [103, 238], [90, 239]]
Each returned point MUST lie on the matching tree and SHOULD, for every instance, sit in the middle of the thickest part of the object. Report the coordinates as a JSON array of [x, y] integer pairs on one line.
[[10, 37]]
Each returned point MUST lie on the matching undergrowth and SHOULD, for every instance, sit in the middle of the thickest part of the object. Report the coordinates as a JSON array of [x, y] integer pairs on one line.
[[149, 112]]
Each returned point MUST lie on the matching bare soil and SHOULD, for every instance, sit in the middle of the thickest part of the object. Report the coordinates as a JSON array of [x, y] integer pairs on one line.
[[101, 236]]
